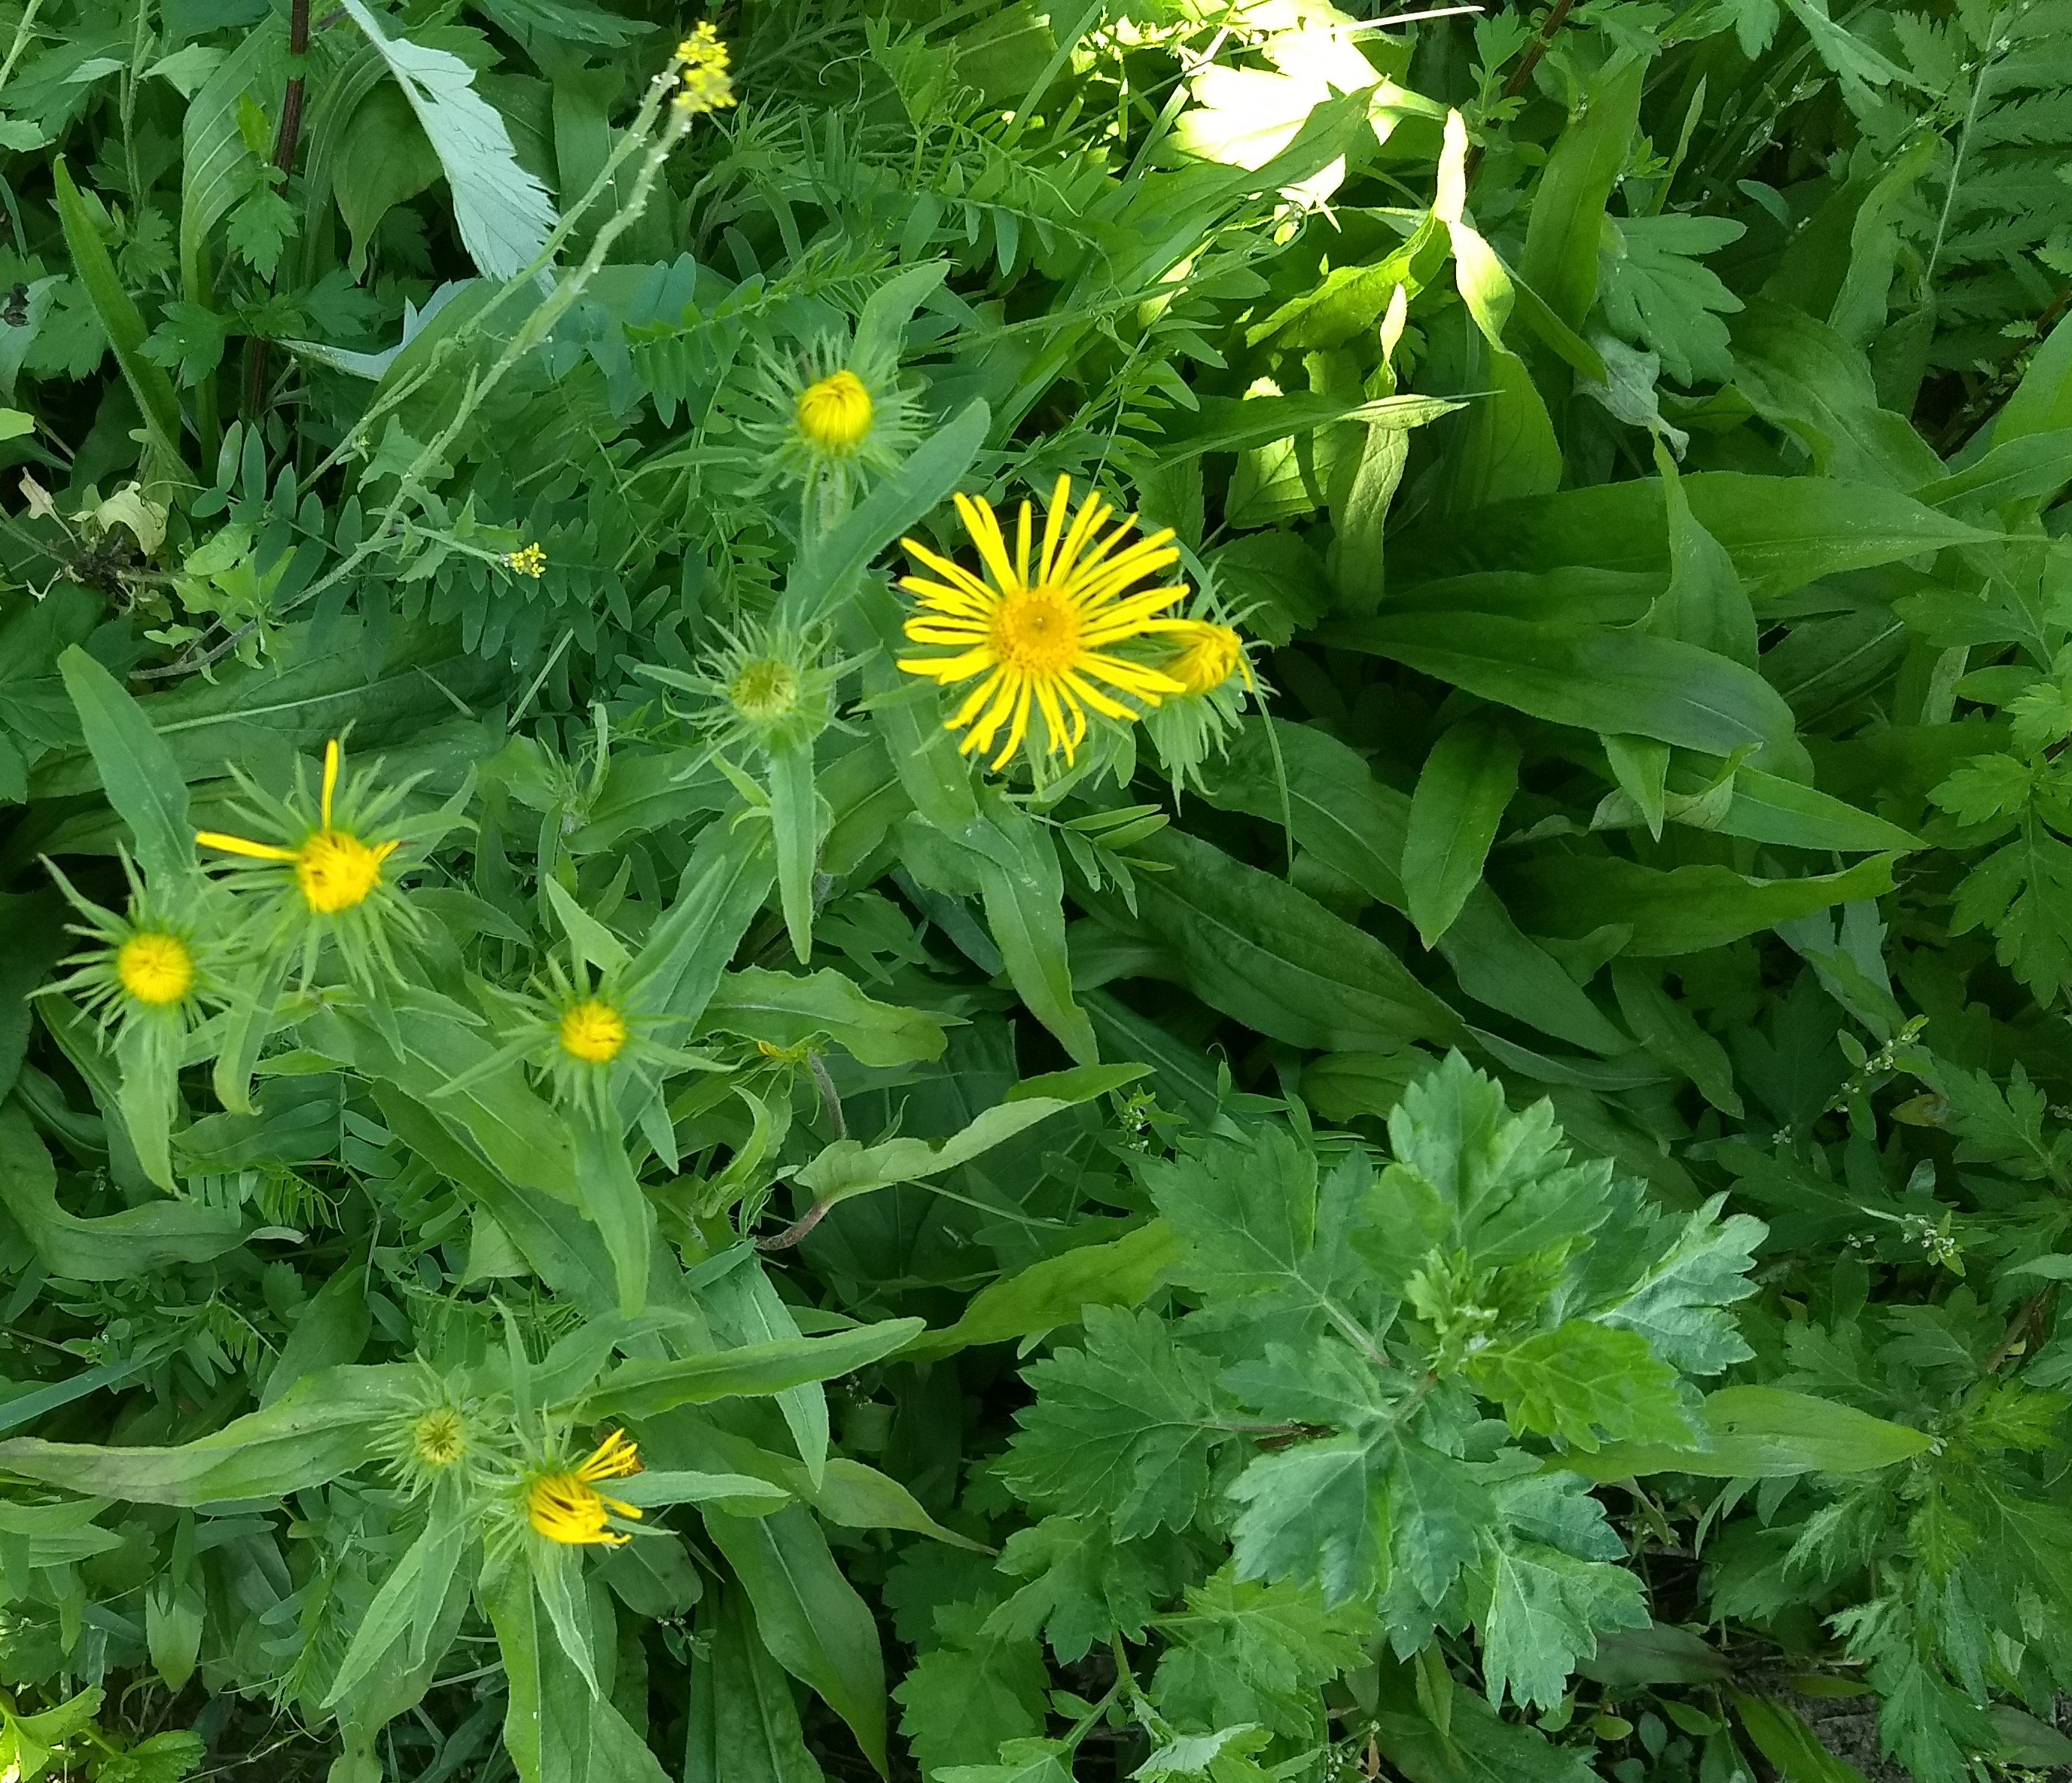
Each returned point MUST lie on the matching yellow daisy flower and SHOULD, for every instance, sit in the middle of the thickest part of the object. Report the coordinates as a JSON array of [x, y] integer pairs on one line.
[[1043, 640], [333, 869], [835, 412], [564, 1505], [593, 1031], [155, 967]]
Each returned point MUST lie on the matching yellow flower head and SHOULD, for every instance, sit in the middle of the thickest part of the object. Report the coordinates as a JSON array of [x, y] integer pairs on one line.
[[707, 86], [1209, 654], [835, 413], [439, 1438], [564, 1505], [155, 968], [1044, 639], [333, 869], [530, 559], [593, 1031]]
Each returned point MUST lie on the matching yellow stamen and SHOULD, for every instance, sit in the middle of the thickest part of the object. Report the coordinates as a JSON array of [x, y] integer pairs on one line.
[[155, 968], [336, 870]]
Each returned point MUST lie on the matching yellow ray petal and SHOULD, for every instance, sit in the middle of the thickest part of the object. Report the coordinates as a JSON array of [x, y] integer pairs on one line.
[[1059, 511], [237, 844], [1020, 729], [330, 779], [958, 575], [984, 527]]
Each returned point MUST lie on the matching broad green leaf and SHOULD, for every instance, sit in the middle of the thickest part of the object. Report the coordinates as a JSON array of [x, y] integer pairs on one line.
[[1765, 1432], [117, 1246], [1573, 674], [119, 316], [1566, 226], [1671, 1032], [795, 828], [1546, 1611], [979, 1687], [1084, 1585], [1467, 781], [328, 1424], [642, 1388], [612, 1200], [1053, 1292], [137, 769], [848, 1167], [1791, 1746], [1358, 826], [1125, 1425], [809, 1616], [1782, 532], [787, 1009], [2042, 402], [743, 1719], [503, 214], [1253, 947], [1685, 909], [1306, 1516], [1585, 1383], [1229, 424]]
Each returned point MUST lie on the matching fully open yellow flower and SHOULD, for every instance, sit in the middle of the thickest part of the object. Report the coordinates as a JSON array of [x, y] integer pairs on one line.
[[1043, 639], [593, 1031], [1209, 653], [155, 968], [565, 1506], [334, 869], [835, 413]]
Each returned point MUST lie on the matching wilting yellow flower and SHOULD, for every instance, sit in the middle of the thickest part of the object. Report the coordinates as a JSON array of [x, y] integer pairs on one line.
[[593, 1031], [835, 413], [707, 86], [1209, 654], [529, 560], [334, 869], [155, 968], [565, 1506], [1043, 640]]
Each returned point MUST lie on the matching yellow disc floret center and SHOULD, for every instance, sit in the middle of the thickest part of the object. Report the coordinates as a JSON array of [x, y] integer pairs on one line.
[[1206, 662], [439, 1437], [835, 413], [593, 1031], [155, 968], [336, 870], [763, 689], [1037, 630]]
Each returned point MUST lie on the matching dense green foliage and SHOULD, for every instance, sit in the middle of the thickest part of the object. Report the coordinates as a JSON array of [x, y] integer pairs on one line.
[[1480, 1191]]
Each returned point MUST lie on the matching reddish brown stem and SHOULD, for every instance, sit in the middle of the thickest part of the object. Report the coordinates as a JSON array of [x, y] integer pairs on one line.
[[1522, 72], [286, 140], [797, 1230]]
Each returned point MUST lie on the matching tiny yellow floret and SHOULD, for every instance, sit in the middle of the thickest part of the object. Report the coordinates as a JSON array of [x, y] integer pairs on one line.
[[1209, 654], [707, 86], [155, 968], [529, 560], [564, 1505], [835, 413], [593, 1031]]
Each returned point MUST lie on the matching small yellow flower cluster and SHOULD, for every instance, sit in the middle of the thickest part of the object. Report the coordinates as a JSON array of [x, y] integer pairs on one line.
[[707, 86], [528, 560], [564, 1504]]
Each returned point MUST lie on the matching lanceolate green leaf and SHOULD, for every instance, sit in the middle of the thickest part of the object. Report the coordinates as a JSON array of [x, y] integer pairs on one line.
[[642, 1388], [1468, 780], [118, 313], [1577, 674], [136, 768]]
